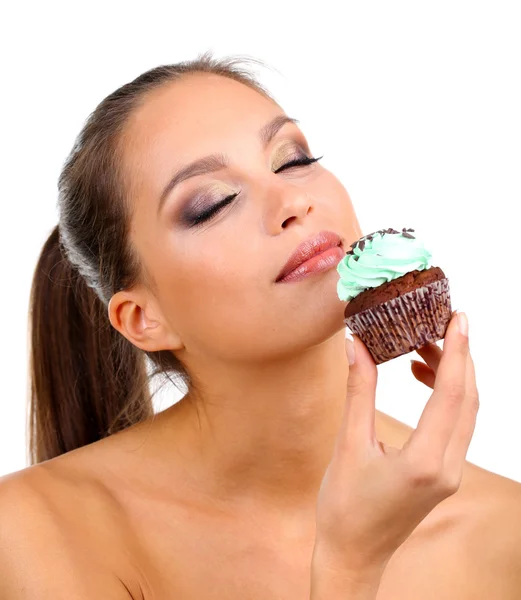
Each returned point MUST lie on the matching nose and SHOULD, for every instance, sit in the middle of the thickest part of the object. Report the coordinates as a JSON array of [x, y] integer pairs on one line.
[[287, 204]]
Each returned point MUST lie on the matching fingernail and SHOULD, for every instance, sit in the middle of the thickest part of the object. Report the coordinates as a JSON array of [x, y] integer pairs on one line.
[[350, 346], [463, 323]]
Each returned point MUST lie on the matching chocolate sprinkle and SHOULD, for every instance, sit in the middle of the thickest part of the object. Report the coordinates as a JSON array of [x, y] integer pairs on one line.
[[369, 237], [407, 235]]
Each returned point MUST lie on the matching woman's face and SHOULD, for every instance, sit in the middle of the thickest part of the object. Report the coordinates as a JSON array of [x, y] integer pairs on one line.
[[214, 280]]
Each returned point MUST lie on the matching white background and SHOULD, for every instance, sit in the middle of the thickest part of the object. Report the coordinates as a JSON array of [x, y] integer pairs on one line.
[[414, 105]]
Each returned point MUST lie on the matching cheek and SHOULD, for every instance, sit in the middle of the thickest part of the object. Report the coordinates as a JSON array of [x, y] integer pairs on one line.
[[217, 301], [334, 200]]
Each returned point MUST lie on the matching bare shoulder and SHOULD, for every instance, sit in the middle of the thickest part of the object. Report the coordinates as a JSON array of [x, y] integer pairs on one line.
[[495, 539], [478, 529], [50, 542]]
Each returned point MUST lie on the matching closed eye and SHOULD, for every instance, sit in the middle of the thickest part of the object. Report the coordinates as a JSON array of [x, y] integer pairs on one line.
[[305, 160]]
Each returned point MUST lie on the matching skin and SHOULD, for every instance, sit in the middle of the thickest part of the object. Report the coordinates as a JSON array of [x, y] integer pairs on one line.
[[215, 496]]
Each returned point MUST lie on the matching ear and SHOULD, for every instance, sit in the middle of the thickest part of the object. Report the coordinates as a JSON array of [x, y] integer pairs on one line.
[[136, 317]]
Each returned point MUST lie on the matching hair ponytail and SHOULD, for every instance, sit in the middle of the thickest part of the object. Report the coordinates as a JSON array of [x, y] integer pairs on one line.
[[86, 379]]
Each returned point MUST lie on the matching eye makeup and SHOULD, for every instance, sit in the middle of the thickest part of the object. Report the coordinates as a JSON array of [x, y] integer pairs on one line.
[[203, 208], [205, 204]]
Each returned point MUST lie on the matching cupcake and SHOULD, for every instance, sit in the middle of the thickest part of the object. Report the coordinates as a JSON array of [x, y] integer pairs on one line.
[[397, 301]]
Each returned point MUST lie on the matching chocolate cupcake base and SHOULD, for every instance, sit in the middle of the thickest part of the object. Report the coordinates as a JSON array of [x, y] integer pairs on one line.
[[392, 289], [405, 323]]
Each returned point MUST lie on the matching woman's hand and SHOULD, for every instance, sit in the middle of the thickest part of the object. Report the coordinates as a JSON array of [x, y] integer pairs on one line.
[[373, 496]]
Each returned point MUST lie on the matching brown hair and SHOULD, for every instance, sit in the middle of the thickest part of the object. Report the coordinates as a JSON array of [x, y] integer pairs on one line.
[[87, 380]]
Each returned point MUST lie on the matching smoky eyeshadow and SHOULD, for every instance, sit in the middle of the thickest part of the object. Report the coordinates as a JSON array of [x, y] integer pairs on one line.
[[200, 204]]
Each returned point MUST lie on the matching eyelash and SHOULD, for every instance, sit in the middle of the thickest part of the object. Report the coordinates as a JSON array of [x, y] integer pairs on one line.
[[209, 214]]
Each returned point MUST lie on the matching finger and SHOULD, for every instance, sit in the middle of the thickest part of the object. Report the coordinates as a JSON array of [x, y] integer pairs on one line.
[[423, 373], [431, 354], [357, 430], [460, 442], [440, 415]]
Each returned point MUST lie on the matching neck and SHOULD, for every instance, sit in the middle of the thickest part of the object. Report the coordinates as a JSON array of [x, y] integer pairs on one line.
[[266, 433]]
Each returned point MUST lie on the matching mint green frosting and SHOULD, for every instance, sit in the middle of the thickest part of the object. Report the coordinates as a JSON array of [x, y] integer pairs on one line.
[[385, 257]]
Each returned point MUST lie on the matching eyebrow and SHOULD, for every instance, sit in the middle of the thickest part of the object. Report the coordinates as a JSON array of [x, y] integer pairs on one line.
[[216, 162]]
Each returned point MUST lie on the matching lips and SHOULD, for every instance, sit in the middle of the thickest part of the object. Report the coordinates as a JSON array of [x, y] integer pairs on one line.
[[309, 248]]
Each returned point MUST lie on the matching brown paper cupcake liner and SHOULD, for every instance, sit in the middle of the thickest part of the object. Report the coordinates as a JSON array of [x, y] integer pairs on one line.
[[405, 323]]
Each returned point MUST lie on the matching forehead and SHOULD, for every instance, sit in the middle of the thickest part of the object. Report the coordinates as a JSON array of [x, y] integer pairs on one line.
[[195, 115]]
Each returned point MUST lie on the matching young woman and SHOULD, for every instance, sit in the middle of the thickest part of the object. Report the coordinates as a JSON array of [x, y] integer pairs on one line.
[[184, 196]]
